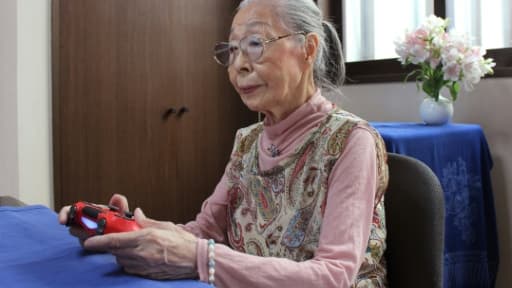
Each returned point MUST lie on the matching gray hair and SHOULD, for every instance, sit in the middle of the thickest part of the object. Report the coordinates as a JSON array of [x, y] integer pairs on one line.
[[304, 15]]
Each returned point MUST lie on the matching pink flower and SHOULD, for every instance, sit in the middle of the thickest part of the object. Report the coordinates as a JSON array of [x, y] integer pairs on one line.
[[420, 36]]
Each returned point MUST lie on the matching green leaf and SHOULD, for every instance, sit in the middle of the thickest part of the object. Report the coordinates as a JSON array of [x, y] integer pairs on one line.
[[427, 88], [454, 90]]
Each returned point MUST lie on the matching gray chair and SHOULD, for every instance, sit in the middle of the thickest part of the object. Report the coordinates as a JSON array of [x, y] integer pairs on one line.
[[414, 204]]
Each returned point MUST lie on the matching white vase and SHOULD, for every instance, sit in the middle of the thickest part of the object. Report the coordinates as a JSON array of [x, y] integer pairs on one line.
[[434, 112]]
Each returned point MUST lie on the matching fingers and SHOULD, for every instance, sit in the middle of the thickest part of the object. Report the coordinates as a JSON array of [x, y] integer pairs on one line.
[[146, 222], [112, 242], [119, 201], [78, 233], [63, 215], [139, 215], [142, 220]]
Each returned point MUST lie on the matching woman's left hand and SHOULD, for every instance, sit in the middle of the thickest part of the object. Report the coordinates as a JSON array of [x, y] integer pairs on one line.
[[161, 250]]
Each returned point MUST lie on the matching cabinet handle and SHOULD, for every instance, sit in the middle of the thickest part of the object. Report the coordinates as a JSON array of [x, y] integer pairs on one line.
[[182, 111], [168, 113]]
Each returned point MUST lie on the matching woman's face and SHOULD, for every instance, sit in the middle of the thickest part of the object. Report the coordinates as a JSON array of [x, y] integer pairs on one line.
[[275, 84]]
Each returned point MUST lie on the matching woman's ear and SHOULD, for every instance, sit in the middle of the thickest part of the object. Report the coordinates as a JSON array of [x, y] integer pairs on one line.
[[311, 46]]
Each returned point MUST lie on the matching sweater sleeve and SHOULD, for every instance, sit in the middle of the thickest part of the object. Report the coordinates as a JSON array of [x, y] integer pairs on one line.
[[343, 238], [210, 223]]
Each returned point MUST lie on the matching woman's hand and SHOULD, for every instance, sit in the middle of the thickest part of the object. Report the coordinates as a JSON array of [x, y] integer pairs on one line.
[[161, 250], [117, 200]]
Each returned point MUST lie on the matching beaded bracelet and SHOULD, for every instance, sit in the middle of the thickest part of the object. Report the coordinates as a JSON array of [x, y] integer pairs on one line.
[[211, 262]]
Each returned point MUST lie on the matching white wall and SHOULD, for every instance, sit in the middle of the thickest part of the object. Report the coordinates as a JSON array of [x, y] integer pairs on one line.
[[489, 105], [25, 149], [8, 103], [34, 108]]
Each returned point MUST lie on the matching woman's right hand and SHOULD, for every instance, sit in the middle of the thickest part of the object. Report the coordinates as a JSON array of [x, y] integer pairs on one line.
[[117, 200]]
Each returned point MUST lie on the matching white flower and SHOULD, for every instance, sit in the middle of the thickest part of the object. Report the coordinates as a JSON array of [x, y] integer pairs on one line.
[[486, 66], [450, 55], [418, 54], [435, 24], [472, 74], [451, 71]]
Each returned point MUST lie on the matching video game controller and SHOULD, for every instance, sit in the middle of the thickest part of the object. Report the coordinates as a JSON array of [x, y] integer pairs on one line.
[[99, 220]]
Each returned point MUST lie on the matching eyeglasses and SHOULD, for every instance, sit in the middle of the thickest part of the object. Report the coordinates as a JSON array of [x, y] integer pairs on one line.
[[252, 46]]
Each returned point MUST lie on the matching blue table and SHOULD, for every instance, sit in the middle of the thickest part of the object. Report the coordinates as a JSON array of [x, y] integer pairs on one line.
[[35, 251], [459, 155]]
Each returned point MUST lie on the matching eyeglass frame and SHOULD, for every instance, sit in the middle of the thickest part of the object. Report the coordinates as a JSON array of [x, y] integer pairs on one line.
[[264, 43]]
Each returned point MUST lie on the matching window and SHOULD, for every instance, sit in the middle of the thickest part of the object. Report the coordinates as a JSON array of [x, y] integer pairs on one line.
[[369, 27], [489, 24], [370, 39]]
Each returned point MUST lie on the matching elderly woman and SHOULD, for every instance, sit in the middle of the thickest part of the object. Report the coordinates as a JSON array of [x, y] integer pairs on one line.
[[301, 201]]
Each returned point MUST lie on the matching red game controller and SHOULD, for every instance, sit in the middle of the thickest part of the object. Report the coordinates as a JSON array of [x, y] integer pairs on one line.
[[99, 220]]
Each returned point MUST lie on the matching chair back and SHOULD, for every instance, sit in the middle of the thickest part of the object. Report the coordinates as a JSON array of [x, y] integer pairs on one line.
[[10, 201], [414, 202]]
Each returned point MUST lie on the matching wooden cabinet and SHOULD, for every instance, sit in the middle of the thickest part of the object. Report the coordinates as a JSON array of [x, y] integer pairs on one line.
[[120, 67]]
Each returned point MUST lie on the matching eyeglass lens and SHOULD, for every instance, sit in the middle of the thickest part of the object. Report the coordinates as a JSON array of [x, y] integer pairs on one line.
[[222, 53], [252, 46]]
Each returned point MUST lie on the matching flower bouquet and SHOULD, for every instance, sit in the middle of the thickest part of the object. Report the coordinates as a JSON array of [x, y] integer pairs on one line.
[[443, 59]]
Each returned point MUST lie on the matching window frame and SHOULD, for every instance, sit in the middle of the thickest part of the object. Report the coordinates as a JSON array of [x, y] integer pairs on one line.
[[390, 70]]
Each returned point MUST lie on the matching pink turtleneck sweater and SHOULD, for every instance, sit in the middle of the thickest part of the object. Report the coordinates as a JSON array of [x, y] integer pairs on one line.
[[346, 224]]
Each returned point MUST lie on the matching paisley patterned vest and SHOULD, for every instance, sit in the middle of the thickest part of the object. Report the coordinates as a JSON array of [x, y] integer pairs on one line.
[[279, 212]]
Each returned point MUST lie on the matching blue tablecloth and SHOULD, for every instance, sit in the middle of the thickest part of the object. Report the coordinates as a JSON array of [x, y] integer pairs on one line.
[[459, 155], [35, 251]]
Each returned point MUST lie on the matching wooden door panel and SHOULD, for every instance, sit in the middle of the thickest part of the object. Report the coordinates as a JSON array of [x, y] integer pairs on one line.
[[113, 89], [207, 131], [117, 66]]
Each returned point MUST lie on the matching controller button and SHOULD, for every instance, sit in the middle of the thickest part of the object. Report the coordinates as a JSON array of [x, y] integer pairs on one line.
[[91, 212], [101, 226]]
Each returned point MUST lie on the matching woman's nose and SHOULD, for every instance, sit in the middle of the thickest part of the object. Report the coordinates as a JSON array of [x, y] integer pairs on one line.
[[241, 62]]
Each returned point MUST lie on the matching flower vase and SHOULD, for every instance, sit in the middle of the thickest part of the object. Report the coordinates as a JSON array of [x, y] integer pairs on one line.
[[434, 112]]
